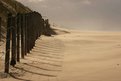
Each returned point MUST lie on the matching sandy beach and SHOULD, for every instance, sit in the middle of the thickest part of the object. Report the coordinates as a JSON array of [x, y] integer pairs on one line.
[[71, 56]]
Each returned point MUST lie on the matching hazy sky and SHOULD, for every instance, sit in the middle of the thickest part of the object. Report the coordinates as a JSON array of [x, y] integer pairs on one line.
[[81, 14]]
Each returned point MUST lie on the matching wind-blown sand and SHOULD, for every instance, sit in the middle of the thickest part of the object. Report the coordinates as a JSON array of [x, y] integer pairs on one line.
[[74, 56]]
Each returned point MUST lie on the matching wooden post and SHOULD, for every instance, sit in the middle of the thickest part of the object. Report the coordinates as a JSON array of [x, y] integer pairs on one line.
[[28, 33], [40, 27], [18, 37], [43, 26], [47, 27], [13, 29], [0, 29], [7, 55], [32, 32], [22, 36], [25, 29]]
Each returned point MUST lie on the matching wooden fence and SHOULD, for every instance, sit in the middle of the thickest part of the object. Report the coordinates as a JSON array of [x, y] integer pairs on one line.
[[22, 32]]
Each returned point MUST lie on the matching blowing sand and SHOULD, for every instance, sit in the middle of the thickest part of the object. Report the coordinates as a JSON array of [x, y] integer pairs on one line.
[[74, 56]]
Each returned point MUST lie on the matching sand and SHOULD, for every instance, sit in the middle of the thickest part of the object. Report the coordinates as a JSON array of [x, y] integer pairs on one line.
[[74, 56]]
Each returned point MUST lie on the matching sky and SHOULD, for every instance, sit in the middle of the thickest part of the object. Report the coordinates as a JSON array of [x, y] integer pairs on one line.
[[80, 14]]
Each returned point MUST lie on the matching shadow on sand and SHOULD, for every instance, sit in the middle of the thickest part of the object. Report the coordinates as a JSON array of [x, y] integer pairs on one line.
[[40, 67], [15, 77], [41, 74]]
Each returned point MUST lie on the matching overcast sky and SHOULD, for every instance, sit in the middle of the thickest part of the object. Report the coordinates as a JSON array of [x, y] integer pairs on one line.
[[80, 14]]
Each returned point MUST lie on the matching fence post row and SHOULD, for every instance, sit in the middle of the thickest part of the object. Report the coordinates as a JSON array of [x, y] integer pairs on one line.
[[23, 30]]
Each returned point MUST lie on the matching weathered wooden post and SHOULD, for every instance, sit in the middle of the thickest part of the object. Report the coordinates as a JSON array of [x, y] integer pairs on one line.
[[7, 55], [33, 31], [43, 25], [48, 33], [13, 54], [28, 33], [0, 29], [40, 28], [25, 29], [18, 37], [22, 37]]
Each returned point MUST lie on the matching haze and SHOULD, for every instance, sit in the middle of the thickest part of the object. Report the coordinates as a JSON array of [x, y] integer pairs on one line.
[[80, 14]]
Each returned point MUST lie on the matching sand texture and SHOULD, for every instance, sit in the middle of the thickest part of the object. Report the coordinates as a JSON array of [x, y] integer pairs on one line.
[[73, 56]]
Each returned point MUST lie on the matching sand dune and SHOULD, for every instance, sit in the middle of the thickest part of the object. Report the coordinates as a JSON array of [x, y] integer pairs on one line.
[[91, 56], [72, 56]]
